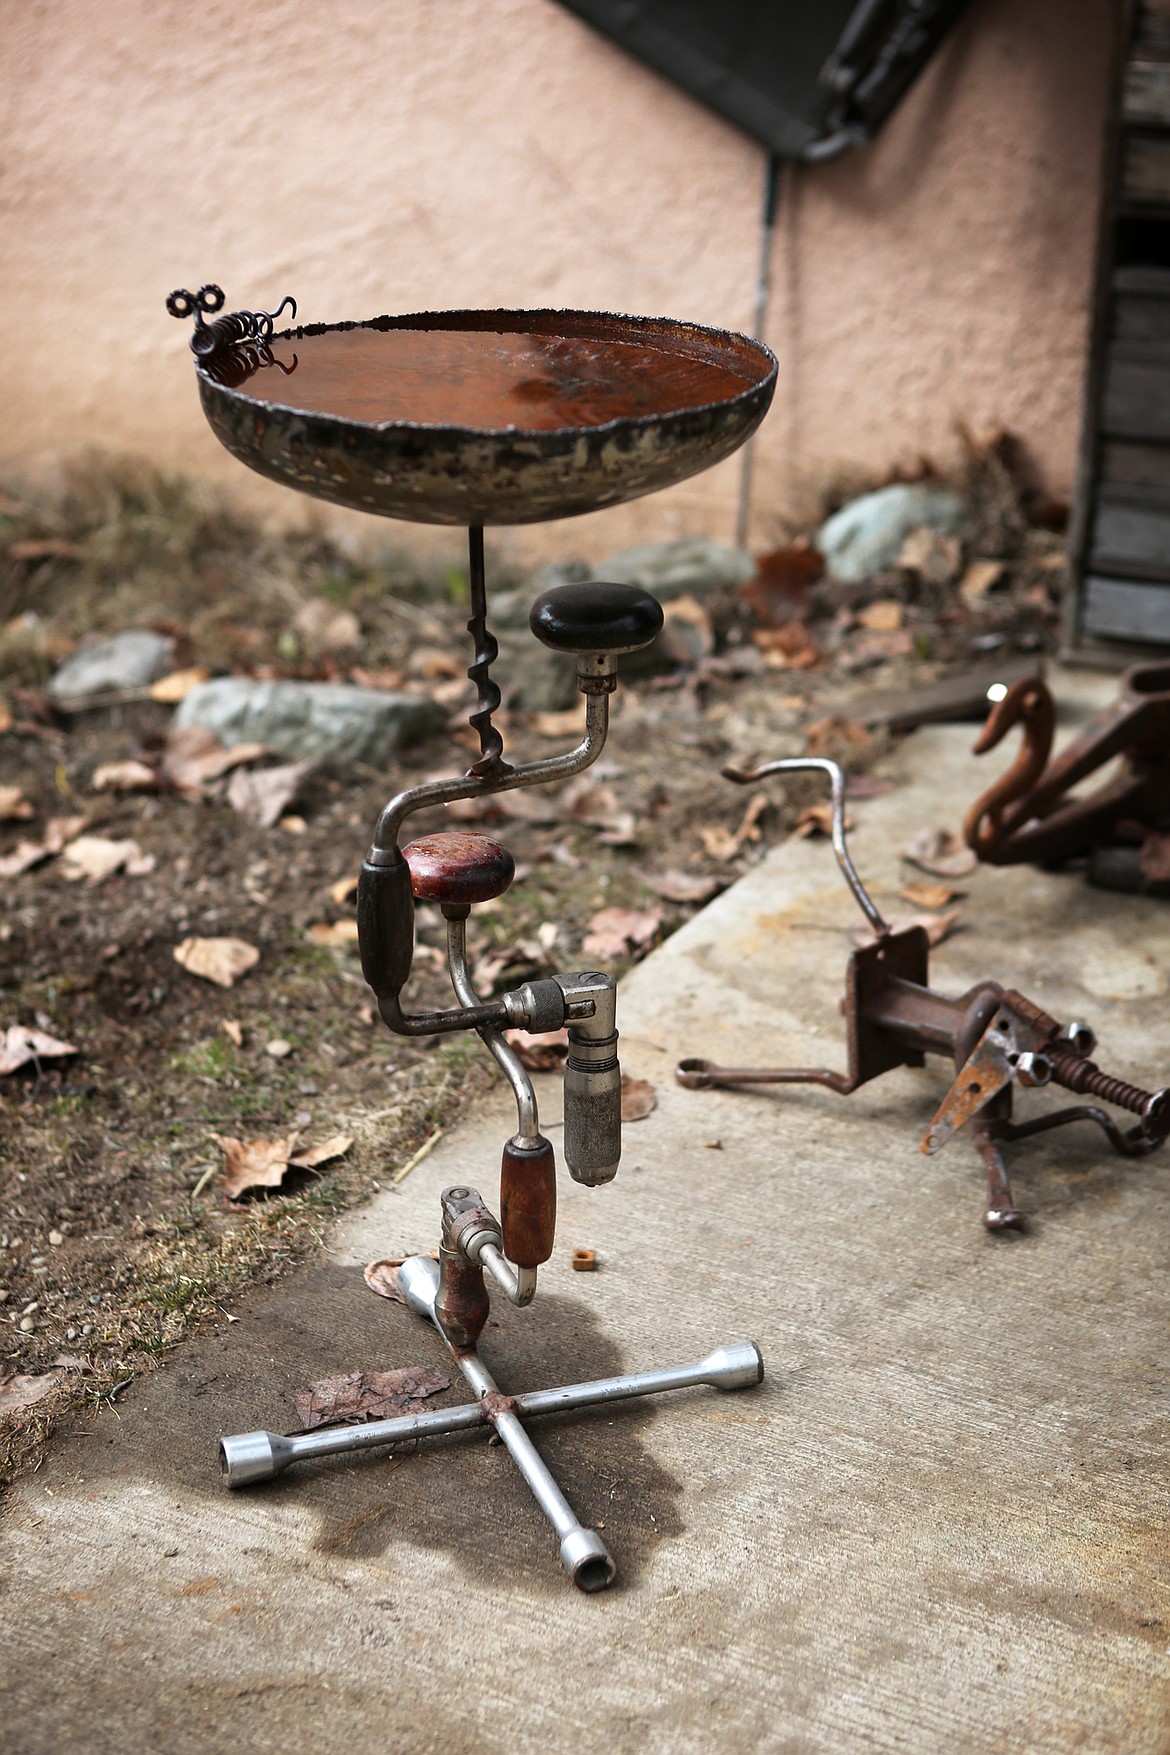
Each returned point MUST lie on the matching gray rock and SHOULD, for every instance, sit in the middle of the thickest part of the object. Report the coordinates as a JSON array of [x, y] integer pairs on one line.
[[126, 661], [309, 721], [866, 536], [688, 567]]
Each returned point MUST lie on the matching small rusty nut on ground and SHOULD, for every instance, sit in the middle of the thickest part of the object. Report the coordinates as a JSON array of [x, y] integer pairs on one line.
[[584, 1261]]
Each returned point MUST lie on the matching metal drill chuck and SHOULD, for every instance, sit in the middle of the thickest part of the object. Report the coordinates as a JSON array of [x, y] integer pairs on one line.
[[593, 1081]]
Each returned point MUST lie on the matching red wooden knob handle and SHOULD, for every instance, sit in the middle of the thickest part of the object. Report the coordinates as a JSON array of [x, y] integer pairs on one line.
[[458, 867]]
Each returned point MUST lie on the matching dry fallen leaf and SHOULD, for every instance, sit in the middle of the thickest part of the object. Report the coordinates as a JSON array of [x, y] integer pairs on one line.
[[58, 833], [937, 926], [570, 723], [837, 737], [382, 1277], [433, 662], [277, 1048], [222, 960], [788, 648], [194, 756], [881, 617], [367, 1395], [5, 717], [816, 819], [613, 929], [17, 1392], [262, 795], [325, 627], [233, 1030], [177, 684], [539, 1050], [129, 776], [343, 889], [722, 844], [336, 1146], [685, 886], [21, 1047], [259, 1163], [638, 1098], [929, 895], [96, 857], [940, 852], [338, 934], [980, 578], [14, 806]]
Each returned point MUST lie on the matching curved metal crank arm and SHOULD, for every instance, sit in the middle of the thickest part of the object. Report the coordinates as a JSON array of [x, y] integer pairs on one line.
[[821, 765]]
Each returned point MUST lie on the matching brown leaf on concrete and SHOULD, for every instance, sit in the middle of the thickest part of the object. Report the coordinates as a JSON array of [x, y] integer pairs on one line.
[[262, 795], [126, 776], [222, 960], [21, 1047], [336, 1146], [940, 852], [257, 1163], [638, 1098], [14, 806], [18, 1392], [612, 930], [685, 886], [937, 926], [539, 1050], [367, 1395], [382, 1277], [929, 895]]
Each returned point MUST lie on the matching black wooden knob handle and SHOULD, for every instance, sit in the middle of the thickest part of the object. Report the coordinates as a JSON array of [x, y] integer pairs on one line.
[[595, 617]]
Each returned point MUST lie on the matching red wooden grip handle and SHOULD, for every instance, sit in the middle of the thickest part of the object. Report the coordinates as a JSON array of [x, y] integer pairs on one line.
[[528, 1203]]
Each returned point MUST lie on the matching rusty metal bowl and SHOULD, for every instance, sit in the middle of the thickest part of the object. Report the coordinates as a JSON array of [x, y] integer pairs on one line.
[[488, 417]]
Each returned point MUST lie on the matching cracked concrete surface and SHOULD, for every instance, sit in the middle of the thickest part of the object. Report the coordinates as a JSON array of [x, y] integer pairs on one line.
[[940, 1523]]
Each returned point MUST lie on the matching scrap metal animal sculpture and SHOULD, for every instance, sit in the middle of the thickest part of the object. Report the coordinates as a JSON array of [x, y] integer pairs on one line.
[[1031, 812]]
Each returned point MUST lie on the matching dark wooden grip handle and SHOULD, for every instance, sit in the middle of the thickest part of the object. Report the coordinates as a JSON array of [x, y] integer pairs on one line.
[[385, 921], [528, 1203]]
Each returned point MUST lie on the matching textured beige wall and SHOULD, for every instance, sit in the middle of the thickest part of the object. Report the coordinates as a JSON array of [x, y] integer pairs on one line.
[[382, 155]]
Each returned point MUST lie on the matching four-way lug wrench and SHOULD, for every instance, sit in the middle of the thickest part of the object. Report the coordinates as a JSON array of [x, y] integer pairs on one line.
[[996, 1038], [258, 1456]]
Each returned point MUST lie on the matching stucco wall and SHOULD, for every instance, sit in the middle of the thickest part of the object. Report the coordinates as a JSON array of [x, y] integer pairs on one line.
[[374, 155]]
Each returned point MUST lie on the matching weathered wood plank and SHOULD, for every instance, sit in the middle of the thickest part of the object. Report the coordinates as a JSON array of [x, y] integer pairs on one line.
[[1119, 609]]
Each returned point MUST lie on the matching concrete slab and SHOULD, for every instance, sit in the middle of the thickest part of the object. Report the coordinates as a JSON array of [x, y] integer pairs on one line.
[[939, 1524]]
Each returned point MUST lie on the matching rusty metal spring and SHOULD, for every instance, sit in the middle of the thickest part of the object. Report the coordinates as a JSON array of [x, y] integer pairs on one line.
[[1087, 1079], [487, 650]]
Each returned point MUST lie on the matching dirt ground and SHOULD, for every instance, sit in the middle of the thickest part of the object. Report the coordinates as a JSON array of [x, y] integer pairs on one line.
[[115, 1233]]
